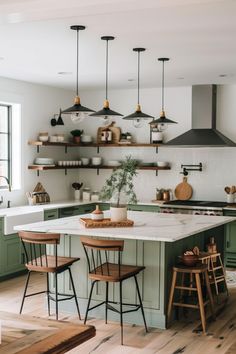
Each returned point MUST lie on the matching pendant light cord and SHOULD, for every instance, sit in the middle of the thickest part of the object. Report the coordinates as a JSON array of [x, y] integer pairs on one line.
[[138, 74], [162, 87], [107, 69], [77, 63]]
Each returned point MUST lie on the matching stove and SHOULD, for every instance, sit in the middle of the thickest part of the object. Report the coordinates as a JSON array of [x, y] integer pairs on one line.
[[197, 207]]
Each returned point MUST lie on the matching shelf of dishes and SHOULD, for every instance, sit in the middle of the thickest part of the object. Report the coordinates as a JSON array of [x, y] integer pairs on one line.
[[48, 143], [56, 167]]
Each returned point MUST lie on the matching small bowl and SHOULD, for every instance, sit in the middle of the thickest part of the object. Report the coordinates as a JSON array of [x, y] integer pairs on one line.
[[86, 138], [162, 163], [85, 161], [43, 138], [189, 259]]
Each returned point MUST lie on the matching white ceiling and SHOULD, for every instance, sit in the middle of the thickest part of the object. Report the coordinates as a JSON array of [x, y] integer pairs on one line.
[[198, 36]]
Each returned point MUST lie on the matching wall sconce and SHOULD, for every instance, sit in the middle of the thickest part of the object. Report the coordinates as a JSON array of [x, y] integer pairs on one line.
[[57, 120]]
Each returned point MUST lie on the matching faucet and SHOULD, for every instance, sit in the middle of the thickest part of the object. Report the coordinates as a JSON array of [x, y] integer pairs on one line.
[[8, 182], [9, 188]]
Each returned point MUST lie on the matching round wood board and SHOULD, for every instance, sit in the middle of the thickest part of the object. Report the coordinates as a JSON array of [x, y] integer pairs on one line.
[[183, 191]]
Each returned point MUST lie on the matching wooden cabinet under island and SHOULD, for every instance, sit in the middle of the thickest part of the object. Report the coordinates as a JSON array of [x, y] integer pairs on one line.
[[155, 241]]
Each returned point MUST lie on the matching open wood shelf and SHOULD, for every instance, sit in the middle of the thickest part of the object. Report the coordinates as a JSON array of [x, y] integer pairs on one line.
[[64, 144], [43, 167]]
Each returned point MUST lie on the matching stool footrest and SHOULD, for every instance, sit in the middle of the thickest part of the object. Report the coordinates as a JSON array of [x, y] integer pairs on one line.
[[185, 288]]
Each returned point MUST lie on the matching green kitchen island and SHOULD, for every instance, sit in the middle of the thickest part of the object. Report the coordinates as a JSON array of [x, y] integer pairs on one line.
[[155, 241]]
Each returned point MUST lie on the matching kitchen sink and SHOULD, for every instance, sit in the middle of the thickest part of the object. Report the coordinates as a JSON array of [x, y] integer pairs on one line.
[[20, 217]]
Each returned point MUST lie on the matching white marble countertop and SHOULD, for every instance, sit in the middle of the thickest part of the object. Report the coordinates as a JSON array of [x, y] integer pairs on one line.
[[147, 226]]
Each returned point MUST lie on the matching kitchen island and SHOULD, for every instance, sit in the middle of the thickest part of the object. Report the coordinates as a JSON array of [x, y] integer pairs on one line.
[[155, 241]]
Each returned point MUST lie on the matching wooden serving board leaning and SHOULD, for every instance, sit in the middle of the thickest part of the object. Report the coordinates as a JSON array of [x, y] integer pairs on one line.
[[94, 224], [184, 190]]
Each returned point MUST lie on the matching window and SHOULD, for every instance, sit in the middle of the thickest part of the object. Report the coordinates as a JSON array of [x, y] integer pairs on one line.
[[5, 144]]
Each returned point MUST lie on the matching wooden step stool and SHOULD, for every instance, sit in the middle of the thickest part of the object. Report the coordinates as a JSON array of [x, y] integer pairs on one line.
[[194, 273], [216, 269]]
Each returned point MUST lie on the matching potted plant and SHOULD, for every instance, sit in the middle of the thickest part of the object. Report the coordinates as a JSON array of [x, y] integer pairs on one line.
[[119, 189], [76, 135], [77, 187]]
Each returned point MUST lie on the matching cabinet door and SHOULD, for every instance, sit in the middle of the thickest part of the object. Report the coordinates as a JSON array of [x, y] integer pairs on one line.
[[150, 255], [50, 214], [230, 245], [147, 208], [13, 255]]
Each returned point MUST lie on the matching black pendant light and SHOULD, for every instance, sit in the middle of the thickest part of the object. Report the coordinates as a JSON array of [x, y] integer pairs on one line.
[[77, 111], [163, 121], [138, 116], [106, 113]]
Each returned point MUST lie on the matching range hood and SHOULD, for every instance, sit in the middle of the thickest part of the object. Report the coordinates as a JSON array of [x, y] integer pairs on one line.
[[203, 132]]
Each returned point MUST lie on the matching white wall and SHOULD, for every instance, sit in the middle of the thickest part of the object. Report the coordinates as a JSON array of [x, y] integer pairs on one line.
[[38, 104], [219, 168]]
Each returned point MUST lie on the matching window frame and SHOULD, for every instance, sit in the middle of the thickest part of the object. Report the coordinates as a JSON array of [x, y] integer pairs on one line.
[[9, 143]]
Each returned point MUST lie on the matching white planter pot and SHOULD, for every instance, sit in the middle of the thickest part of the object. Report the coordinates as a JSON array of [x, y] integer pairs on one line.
[[118, 214], [77, 194]]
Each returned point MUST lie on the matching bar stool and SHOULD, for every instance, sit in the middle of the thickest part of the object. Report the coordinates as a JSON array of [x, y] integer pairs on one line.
[[216, 269], [98, 252], [37, 260], [194, 273]]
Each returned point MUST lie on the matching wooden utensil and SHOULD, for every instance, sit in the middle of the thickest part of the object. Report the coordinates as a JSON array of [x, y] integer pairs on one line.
[[233, 190], [227, 190], [183, 191]]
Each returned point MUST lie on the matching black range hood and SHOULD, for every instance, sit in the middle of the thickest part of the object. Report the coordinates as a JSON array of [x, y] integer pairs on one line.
[[203, 132]]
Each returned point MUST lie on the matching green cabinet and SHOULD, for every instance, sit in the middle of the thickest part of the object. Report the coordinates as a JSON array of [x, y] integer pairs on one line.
[[51, 214], [11, 253], [147, 208], [230, 241]]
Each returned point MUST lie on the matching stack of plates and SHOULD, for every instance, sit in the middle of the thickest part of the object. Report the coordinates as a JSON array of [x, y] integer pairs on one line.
[[44, 161]]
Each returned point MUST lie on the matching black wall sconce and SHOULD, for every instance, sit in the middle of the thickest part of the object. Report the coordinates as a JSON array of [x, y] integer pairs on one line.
[[188, 168], [57, 120]]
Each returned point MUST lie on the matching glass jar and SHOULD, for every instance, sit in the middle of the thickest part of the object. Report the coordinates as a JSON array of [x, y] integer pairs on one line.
[[95, 196], [86, 194]]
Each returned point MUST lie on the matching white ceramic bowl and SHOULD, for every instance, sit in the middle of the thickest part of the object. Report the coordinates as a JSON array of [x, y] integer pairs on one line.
[[162, 163], [86, 138], [43, 138], [96, 161], [85, 161]]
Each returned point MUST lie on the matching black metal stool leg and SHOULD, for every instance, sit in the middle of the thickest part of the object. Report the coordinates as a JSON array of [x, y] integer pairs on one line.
[[73, 288], [56, 295], [141, 304], [25, 290], [89, 300], [107, 288], [121, 314], [48, 294]]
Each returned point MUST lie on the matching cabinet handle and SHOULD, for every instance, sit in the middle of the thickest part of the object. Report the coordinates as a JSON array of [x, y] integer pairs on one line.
[[50, 216], [227, 244]]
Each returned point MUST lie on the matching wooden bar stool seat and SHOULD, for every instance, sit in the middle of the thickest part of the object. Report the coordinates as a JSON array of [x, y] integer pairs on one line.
[[195, 286], [35, 246], [98, 253], [110, 272]]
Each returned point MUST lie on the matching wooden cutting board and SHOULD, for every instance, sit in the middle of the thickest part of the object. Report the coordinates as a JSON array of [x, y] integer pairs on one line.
[[183, 191]]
